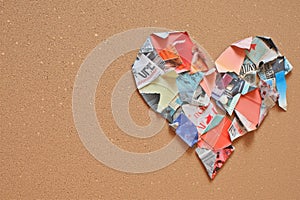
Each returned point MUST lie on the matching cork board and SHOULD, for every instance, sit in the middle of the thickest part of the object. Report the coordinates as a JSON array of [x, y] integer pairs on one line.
[[42, 47]]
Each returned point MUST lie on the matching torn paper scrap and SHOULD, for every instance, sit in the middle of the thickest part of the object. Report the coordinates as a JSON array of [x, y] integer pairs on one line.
[[199, 61], [262, 50], [145, 71], [248, 109], [236, 129], [165, 86], [231, 60], [209, 81], [186, 130], [281, 88], [175, 48], [187, 85], [173, 110], [268, 94], [213, 160]]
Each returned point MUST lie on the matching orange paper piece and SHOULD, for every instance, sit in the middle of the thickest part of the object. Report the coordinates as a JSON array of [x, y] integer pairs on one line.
[[233, 57], [231, 60], [218, 137], [249, 107], [168, 53]]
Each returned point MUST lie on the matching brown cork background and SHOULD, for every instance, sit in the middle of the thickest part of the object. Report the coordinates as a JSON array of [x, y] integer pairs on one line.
[[43, 44]]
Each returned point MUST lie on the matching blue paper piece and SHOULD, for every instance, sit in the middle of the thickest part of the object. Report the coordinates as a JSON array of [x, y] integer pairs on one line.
[[187, 84], [281, 88], [186, 130]]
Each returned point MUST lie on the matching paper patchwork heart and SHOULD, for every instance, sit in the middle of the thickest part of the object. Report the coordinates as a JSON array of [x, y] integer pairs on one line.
[[209, 104]]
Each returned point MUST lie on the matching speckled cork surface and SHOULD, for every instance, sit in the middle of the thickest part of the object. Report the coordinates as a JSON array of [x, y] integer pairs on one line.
[[42, 47]]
